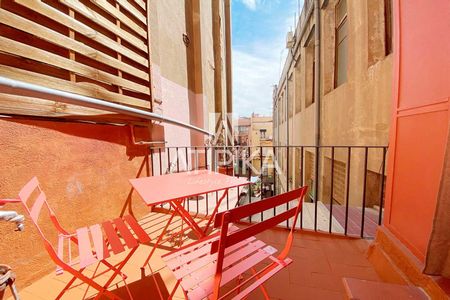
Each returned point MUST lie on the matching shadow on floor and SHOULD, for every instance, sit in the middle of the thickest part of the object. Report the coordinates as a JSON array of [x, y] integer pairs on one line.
[[143, 289]]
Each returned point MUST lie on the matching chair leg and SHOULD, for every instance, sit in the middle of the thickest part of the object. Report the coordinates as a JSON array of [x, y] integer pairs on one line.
[[113, 268], [89, 282], [239, 280], [157, 243], [174, 290], [263, 289], [66, 288], [116, 272]]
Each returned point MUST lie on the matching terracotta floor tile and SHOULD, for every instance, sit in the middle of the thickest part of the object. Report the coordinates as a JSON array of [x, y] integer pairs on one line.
[[359, 272], [307, 243], [310, 253], [310, 265], [311, 293], [330, 282], [25, 295]]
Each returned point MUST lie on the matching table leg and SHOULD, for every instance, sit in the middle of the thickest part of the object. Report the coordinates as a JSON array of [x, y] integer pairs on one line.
[[225, 193], [188, 218], [158, 240]]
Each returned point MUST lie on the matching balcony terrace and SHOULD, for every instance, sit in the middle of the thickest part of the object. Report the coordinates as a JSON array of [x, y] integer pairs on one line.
[[321, 261], [330, 248]]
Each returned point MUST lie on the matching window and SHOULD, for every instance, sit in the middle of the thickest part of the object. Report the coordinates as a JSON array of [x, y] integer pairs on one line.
[[297, 81], [341, 57], [310, 69], [243, 129], [262, 133], [339, 177], [388, 26], [290, 94]]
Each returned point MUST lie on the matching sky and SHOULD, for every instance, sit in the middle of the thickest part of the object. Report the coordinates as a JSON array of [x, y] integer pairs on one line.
[[259, 30]]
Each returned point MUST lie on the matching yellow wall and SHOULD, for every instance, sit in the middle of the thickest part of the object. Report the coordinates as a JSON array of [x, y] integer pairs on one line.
[[256, 124], [354, 113]]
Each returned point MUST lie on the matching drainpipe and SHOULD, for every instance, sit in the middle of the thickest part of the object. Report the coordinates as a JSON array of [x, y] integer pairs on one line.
[[317, 99], [228, 69], [32, 90], [287, 112], [317, 69]]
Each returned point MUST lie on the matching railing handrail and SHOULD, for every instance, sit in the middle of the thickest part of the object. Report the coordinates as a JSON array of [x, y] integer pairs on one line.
[[279, 146]]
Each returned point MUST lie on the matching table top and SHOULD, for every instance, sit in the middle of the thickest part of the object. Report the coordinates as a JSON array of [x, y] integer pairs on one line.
[[164, 188]]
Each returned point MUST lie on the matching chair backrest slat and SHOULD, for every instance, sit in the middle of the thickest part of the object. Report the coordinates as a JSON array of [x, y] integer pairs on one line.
[[35, 209], [243, 234], [236, 214], [247, 210], [28, 189], [37, 206]]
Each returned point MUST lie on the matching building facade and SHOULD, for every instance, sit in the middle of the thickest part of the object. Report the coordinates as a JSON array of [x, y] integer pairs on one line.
[[241, 131], [156, 56], [335, 89], [261, 136]]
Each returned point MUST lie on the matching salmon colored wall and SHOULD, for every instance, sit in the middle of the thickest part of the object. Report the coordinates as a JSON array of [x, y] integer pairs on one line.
[[420, 119], [83, 169]]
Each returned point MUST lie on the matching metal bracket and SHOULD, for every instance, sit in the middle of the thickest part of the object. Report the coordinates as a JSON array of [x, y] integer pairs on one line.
[[140, 143]]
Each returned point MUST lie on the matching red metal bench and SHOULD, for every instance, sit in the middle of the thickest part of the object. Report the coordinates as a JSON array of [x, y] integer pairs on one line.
[[116, 236], [203, 268]]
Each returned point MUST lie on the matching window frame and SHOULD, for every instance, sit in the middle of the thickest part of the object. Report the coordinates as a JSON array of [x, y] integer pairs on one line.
[[338, 26]]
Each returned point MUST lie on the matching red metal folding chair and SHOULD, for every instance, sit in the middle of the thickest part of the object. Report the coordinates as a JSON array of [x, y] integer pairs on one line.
[[204, 268], [117, 235]]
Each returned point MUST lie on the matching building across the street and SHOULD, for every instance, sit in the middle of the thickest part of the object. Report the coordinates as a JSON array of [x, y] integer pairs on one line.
[[335, 89]]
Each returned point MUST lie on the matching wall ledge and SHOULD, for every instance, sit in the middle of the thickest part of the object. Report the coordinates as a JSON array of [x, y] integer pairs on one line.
[[396, 264]]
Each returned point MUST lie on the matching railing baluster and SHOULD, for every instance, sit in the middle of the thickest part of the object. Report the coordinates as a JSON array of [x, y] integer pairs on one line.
[[187, 169], [261, 177], [151, 164], [228, 202], [196, 159], [316, 185], [233, 158], [366, 152], [347, 190], [302, 183], [238, 197], [160, 161], [331, 190], [275, 162], [168, 161], [380, 213], [237, 161], [287, 180], [249, 186], [206, 158], [160, 168], [187, 159], [178, 161]]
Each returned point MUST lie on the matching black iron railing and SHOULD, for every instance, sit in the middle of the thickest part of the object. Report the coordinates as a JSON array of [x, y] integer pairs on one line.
[[346, 185]]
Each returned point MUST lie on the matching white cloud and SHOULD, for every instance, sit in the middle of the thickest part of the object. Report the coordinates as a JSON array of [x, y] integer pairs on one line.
[[251, 4], [259, 59], [255, 71]]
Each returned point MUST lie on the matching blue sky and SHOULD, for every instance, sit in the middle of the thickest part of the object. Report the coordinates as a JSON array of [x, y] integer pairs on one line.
[[259, 30]]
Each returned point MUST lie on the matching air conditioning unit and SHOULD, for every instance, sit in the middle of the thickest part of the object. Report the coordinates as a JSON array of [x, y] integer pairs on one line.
[[290, 40]]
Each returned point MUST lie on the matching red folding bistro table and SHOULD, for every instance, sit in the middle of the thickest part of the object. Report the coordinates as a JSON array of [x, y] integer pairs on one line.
[[176, 188]]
